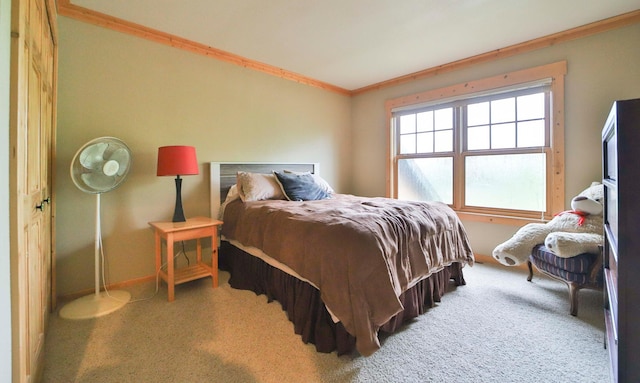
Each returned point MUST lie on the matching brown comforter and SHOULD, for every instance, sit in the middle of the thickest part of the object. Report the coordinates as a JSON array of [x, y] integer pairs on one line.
[[361, 253]]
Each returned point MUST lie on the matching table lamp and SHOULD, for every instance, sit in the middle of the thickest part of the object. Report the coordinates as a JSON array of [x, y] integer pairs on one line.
[[177, 161]]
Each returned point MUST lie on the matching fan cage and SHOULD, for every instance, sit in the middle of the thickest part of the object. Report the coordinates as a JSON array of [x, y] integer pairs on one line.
[[92, 179]]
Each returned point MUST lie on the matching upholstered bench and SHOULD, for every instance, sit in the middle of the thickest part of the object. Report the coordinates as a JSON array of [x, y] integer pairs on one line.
[[581, 271]]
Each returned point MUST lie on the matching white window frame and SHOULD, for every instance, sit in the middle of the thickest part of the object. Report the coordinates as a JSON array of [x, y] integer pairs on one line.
[[553, 74]]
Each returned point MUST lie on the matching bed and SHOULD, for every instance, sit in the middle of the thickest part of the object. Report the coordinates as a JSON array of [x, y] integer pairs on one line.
[[343, 267]]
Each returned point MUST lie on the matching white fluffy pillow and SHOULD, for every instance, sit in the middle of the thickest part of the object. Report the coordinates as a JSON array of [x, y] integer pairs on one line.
[[258, 186], [323, 184]]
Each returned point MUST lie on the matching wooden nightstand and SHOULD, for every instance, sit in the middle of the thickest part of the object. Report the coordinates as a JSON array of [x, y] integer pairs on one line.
[[194, 228]]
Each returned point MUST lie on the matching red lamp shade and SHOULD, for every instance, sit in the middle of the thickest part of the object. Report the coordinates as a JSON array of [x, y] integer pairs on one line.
[[177, 160]]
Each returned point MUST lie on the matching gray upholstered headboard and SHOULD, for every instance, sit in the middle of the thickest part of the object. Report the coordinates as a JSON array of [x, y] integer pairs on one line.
[[223, 175]]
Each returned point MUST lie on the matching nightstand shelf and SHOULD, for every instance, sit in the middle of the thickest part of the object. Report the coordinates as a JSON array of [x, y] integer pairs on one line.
[[193, 229], [188, 274]]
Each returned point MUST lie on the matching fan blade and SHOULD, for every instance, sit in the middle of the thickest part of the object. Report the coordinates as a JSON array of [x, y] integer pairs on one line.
[[121, 156], [98, 181], [92, 156]]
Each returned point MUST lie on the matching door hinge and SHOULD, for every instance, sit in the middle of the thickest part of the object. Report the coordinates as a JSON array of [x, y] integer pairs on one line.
[[15, 34]]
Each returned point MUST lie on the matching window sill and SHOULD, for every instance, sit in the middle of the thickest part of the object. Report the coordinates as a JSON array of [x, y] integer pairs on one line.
[[498, 219]]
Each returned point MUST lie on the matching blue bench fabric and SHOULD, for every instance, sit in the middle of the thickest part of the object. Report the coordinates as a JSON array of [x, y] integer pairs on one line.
[[575, 269]]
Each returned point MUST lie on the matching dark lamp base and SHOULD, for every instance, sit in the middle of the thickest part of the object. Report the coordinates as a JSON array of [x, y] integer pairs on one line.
[[178, 214]]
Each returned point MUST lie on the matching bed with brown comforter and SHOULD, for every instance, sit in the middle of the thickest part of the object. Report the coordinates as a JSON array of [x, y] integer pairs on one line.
[[374, 262]]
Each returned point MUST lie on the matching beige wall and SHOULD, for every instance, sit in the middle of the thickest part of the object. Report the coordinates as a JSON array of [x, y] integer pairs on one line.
[[150, 95], [601, 69]]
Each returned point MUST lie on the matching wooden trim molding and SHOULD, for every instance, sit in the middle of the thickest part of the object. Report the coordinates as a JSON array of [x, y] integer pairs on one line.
[[113, 286], [53, 16], [552, 70], [527, 46], [65, 8]]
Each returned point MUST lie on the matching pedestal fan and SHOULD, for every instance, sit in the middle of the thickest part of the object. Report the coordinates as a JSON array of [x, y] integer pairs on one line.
[[99, 166]]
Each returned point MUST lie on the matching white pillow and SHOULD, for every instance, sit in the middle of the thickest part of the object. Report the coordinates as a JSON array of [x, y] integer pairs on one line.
[[324, 185], [258, 186]]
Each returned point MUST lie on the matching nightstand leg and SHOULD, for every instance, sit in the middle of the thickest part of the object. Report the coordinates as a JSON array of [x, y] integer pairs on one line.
[[198, 251], [214, 258], [170, 269], [158, 252]]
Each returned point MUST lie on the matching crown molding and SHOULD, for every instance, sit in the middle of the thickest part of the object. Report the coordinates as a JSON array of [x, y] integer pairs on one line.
[[65, 8], [527, 46]]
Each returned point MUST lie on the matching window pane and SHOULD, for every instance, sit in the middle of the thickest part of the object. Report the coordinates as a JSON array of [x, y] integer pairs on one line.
[[444, 119], [531, 106], [426, 179], [478, 138], [444, 141], [514, 181], [407, 123], [478, 114], [503, 136], [531, 133], [408, 144], [425, 142], [425, 121], [503, 110]]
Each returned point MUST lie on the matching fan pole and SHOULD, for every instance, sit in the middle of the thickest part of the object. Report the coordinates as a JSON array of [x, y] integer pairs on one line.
[[97, 247], [98, 304]]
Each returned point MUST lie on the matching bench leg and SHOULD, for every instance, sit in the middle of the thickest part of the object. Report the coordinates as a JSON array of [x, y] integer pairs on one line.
[[573, 296], [530, 277]]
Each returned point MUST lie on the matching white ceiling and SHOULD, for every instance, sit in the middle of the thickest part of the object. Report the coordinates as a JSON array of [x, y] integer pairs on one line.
[[356, 43]]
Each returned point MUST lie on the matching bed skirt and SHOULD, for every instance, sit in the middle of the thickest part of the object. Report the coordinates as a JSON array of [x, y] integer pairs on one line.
[[301, 301]]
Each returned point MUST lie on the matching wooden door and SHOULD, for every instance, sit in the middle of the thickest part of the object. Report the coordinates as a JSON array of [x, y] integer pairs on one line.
[[32, 129]]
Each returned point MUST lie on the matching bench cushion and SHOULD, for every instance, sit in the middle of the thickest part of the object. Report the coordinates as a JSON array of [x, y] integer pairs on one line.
[[575, 269]]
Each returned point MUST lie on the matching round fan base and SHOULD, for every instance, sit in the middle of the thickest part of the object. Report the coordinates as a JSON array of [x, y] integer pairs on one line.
[[93, 306]]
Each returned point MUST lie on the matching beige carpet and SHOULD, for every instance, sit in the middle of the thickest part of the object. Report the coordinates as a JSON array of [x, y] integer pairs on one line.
[[497, 328]]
